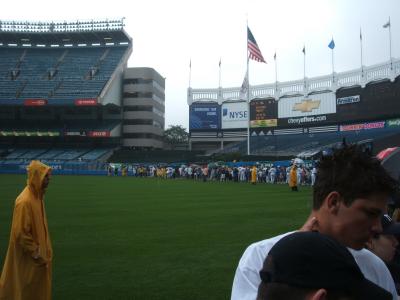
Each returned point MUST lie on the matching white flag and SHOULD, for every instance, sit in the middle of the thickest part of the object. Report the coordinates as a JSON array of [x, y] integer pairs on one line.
[[245, 87]]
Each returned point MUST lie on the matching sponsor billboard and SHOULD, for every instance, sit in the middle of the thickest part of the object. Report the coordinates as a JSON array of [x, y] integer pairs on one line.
[[316, 120], [75, 133], [35, 102], [263, 113], [393, 123], [375, 100], [234, 115], [102, 133], [28, 133], [363, 126], [86, 102], [348, 100], [311, 105], [204, 116]]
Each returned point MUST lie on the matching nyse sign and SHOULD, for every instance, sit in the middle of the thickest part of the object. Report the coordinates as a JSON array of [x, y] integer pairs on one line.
[[235, 115]]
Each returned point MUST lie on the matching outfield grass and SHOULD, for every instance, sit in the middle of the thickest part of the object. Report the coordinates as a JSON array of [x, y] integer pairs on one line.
[[133, 238]]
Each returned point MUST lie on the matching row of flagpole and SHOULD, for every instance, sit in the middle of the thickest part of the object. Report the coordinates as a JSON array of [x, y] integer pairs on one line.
[[331, 45], [254, 53]]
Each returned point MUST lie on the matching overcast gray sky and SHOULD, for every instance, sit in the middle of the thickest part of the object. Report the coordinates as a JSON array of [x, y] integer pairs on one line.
[[166, 34]]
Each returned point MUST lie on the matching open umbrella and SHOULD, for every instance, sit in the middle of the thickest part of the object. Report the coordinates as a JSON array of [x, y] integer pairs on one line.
[[390, 160], [298, 161]]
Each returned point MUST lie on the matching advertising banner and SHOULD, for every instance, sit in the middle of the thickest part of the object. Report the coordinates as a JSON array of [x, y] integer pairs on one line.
[[376, 99], [348, 100], [29, 133], [311, 105], [75, 133], [35, 102], [234, 115], [85, 102], [204, 116], [363, 126], [317, 120], [263, 113], [97, 134], [393, 123]]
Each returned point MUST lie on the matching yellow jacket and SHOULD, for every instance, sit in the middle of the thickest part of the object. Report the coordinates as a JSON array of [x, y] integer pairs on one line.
[[293, 177], [25, 277], [254, 175]]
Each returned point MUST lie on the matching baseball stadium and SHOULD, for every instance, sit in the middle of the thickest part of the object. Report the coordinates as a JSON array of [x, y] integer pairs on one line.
[[128, 217]]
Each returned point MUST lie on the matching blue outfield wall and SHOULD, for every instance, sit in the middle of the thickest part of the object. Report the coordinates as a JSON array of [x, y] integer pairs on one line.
[[58, 168], [97, 168], [60, 172]]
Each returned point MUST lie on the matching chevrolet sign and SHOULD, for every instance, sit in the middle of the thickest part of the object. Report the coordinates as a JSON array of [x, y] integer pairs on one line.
[[306, 105]]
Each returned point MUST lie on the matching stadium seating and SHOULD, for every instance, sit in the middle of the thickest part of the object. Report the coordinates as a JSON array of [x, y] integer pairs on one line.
[[57, 73], [51, 154], [32, 154], [17, 153], [94, 154], [293, 144]]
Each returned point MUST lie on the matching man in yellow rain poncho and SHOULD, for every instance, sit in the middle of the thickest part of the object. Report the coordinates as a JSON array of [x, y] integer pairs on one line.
[[254, 175], [293, 178], [27, 267]]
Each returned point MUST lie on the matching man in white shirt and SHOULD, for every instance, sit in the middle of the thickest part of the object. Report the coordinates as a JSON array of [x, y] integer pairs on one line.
[[313, 175], [350, 195], [313, 266]]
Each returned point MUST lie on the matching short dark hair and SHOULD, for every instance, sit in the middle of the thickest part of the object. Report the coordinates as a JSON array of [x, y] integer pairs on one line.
[[279, 291], [352, 173]]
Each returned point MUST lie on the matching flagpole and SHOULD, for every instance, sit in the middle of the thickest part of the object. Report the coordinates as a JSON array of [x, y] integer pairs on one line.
[[390, 44], [276, 73], [361, 49], [190, 72], [333, 63], [248, 91], [304, 66], [219, 72]]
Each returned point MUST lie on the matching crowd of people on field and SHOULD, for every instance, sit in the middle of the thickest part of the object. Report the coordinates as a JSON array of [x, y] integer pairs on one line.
[[264, 173]]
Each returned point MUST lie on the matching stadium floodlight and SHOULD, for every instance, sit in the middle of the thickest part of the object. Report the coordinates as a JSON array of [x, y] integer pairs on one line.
[[54, 45], [40, 45], [82, 45], [68, 45], [95, 44], [26, 45], [12, 45], [109, 44]]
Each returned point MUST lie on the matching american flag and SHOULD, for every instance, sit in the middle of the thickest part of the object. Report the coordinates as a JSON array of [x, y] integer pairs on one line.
[[254, 51]]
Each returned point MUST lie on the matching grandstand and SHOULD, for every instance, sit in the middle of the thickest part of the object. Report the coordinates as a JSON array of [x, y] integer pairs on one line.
[[66, 94], [300, 118]]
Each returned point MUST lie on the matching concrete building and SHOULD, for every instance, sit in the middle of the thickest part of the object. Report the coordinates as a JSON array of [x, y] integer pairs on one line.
[[143, 109]]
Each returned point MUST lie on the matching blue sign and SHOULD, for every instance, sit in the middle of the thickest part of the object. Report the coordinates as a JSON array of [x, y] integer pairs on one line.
[[204, 116]]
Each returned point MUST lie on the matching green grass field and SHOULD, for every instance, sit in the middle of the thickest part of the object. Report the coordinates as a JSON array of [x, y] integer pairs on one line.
[[131, 238]]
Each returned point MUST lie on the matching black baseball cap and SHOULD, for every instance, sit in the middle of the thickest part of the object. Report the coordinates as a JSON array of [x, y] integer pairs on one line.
[[313, 260], [389, 226]]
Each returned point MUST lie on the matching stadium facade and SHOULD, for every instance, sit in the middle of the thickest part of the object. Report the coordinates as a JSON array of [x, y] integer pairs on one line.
[[298, 117], [66, 92]]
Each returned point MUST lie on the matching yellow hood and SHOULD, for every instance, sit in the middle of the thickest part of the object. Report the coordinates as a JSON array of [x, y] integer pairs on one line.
[[36, 173]]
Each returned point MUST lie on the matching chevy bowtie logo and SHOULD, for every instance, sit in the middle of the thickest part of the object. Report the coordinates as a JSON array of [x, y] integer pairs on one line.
[[306, 105]]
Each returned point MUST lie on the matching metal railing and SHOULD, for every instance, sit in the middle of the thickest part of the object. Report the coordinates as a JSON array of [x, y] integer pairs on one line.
[[387, 70]]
